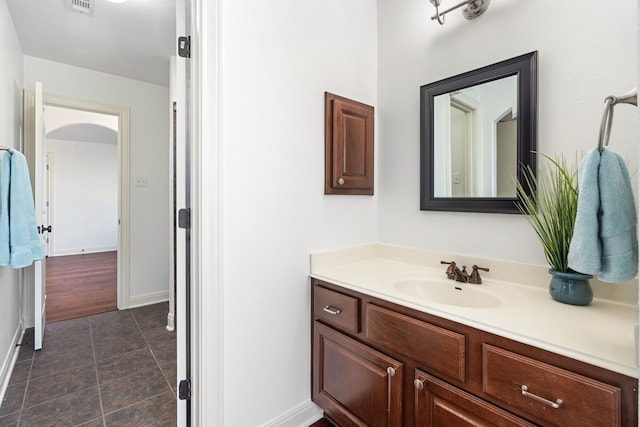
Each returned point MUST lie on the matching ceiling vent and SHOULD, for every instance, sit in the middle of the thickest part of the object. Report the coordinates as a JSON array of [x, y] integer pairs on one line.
[[82, 6]]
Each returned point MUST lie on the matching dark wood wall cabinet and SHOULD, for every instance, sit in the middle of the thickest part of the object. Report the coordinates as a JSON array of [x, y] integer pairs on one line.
[[349, 130], [379, 364]]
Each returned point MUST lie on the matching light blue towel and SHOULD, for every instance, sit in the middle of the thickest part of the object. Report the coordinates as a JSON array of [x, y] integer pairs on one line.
[[5, 170], [605, 239], [24, 241]]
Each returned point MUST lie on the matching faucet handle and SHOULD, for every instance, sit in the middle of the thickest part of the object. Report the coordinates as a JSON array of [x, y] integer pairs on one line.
[[475, 275], [451, 269]]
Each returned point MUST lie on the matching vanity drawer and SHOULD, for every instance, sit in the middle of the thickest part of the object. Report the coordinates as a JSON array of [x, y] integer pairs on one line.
[[554, 395], [434, 348], [337, 309]]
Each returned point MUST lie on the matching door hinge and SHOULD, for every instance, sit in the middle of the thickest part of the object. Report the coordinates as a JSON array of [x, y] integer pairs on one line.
[[184, 218], [184, 46], [184, 390]]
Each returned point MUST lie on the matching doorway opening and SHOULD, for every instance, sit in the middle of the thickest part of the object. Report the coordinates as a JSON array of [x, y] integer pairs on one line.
[[82, 209], [123, 124]]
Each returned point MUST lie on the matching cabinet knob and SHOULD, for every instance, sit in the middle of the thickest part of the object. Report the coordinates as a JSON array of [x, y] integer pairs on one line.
[[391, 371], [419, 385], [341, 181]]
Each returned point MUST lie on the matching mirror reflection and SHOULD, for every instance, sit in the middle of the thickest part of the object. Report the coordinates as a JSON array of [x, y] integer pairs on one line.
[[475, 140], [477, 129]]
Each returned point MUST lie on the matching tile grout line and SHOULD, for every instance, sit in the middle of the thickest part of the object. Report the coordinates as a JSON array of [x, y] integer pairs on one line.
[[95, 364], [153, 354], [26, 387], [139, 401]]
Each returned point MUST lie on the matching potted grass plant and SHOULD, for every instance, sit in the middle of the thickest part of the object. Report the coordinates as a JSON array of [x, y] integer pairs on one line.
[[550, 203]]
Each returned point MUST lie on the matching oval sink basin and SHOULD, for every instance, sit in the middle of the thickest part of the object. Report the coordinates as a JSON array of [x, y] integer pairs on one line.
[[448, 292]]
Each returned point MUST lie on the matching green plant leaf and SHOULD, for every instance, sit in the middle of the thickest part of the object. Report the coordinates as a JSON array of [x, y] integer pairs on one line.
[[550, 204]]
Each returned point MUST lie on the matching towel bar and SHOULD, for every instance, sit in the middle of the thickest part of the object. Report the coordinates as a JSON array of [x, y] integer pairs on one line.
[[630, 97]]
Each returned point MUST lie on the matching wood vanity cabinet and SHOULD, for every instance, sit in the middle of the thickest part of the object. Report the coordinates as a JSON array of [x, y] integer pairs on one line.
[[375, 363]]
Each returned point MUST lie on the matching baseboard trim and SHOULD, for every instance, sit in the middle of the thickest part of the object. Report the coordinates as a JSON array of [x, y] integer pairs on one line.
[[150, 298], [302, 415], [82, 251], [10, 361]]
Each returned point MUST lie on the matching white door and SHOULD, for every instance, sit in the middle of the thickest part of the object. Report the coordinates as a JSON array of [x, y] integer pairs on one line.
[[34, 136]]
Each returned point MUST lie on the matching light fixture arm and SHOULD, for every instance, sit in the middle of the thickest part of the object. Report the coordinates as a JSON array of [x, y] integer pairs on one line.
[[439, 16], [470, 9]]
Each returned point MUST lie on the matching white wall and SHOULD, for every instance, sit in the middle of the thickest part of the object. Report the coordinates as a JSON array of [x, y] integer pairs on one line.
[[57, 117], [84, 197], [585, 54], [10, 125], [149, 106], [278, 59]]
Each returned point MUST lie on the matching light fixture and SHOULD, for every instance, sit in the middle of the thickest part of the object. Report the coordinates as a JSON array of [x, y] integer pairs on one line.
[[470, 9]]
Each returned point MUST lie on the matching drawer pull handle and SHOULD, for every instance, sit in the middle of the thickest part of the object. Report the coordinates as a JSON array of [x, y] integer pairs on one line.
[[554, 405], [391, 372], [332, 310]]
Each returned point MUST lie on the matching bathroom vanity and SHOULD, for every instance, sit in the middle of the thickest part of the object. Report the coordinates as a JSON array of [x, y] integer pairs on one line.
[[388, 350]]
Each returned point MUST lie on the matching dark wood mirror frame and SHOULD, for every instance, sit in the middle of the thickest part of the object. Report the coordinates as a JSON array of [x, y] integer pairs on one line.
[[525, 67]]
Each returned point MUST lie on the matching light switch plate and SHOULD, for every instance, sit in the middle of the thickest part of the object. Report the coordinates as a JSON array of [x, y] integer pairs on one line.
[[141, 181]]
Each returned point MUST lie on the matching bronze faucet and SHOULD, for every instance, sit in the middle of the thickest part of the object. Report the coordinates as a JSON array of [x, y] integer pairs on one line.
[[454, 273]]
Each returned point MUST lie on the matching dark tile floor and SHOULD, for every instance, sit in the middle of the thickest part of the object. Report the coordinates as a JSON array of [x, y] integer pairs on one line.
[[110, 369]]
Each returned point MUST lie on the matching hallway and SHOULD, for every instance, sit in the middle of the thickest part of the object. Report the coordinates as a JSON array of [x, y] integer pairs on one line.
[[111, 369]]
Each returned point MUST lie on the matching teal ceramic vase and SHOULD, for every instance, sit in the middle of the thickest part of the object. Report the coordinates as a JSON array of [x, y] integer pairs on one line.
[[570, 287]]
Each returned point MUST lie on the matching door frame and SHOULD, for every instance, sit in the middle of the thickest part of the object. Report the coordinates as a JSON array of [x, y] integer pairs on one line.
[[207, 298], [123, 114]]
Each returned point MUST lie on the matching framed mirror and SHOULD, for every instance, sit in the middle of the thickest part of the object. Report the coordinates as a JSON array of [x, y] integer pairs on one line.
[[476, 130]]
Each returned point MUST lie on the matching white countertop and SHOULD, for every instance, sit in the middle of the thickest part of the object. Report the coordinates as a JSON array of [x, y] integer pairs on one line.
[[602, 334]]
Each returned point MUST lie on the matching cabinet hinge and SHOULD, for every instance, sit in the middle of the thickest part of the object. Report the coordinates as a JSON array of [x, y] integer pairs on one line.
[[184, 390], [184, 218], [184, 46]]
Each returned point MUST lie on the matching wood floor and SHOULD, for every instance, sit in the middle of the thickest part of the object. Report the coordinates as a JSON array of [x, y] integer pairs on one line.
[[80, 285]]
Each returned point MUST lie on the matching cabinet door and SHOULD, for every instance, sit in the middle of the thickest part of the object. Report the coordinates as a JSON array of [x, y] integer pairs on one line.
[[355, 384], [348, 146], [438, 404]]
